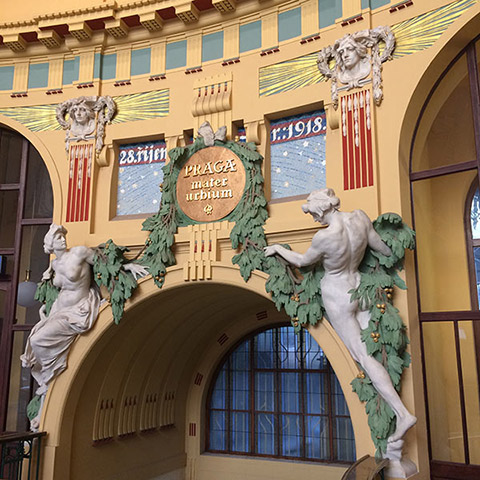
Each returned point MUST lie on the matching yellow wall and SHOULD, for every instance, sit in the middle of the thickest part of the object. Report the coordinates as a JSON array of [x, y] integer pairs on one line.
[[166, 337]]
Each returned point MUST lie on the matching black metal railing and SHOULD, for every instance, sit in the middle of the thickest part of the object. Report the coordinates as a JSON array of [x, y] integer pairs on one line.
[[20, 455]]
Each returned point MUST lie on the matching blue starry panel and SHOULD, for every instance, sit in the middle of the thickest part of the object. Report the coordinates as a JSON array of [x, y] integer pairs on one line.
[[297, 154], [139, 177]]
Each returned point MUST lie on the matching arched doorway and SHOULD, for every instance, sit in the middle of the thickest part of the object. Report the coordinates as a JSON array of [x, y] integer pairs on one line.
[[134, 395], [26, 208], [445, 160]]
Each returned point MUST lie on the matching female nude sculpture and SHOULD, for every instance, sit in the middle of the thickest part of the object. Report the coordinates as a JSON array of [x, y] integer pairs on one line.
[[341, 247], [73, 312]]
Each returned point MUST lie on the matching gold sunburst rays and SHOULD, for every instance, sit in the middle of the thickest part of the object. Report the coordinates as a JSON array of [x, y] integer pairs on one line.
[[38, 118], [142, 106], [412, 35], [419, 33], [130, 108], [290, 75]]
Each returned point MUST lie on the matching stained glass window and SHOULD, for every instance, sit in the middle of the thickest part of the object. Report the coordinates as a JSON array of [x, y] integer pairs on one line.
[[276, 395]]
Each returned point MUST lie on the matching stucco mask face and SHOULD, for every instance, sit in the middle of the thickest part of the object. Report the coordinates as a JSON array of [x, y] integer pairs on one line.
[[80, 114], [348, 54]]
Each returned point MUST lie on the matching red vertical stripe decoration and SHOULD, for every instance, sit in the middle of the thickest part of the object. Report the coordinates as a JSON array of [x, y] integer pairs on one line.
[[357, 140], [79, 182]]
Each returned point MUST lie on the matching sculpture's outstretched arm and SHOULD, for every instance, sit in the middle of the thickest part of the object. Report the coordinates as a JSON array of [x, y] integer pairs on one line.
[[311, 256]]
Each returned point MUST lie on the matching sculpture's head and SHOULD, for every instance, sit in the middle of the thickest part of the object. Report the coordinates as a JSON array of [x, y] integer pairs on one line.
[[320, 203], [55, 238], [81, 112], [349, 52]]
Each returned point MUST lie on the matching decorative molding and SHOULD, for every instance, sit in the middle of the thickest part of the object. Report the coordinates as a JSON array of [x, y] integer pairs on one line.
[[154, 78], [352, 20], [152, 21], [352, 64], [54, 91], [230, 61], [85, 85], [81, 31], [128, 416], [188, 71], [225, 6], [122, 83], [104, 421], [18, 95], [117, 28], [49, 38], [401, 6], [15, 42], [187, 13], [149, 414], [310, 38], [269, 51], [87, 119]]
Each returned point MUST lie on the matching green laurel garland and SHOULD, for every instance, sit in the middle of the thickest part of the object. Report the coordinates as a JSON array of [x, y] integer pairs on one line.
[[385, 337], [297, 291], [108, 271]]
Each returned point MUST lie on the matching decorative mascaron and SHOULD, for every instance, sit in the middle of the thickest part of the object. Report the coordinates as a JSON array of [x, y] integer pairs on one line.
[[353, 63]]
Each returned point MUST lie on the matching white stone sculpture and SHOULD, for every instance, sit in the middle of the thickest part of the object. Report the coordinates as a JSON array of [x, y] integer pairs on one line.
[[81, 124], [341, 247], [205, 131], [73, 312], [353, 63]]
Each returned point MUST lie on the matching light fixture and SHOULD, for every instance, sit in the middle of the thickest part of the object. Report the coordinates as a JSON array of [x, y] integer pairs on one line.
[[26, 292]]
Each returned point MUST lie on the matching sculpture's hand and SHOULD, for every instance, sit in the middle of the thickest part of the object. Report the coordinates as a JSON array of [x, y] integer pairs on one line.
[[47, 274], [138, 271], [270, 250]]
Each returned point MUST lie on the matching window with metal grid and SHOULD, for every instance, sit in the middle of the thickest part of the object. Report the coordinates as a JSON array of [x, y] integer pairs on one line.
[[276, 395]]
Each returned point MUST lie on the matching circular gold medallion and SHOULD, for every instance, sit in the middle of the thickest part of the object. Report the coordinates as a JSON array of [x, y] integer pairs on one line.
[[210, 184]]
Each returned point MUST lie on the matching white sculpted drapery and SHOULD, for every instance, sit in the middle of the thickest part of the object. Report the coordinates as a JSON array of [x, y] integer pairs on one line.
[[74, 311]]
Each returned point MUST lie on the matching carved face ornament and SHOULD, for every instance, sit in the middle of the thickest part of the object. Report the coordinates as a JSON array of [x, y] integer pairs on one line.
[[354, 62]]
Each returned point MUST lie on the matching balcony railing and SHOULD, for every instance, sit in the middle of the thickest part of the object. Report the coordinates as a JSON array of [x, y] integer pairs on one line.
[[20, 455]]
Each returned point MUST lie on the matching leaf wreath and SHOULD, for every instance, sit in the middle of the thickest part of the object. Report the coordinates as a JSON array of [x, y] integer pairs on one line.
[[108, 271]]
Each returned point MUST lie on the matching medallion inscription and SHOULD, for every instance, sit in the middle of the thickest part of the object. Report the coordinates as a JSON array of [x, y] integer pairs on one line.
[[210, 184]]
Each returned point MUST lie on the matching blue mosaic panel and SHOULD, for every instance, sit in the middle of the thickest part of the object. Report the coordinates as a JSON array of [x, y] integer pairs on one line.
[[297, 154], [139, 176]]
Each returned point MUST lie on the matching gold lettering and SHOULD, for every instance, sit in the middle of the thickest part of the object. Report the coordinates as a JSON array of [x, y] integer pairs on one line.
[[218, 182], [226, 193], [189, 197], [220, 168], [196, 185], [215, 194], [188, 169], [224, 182], [230, 166], [207, 169], [196, 170]]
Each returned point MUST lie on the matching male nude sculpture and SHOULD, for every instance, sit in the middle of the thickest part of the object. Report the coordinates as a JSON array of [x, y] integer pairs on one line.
[[341, 247]]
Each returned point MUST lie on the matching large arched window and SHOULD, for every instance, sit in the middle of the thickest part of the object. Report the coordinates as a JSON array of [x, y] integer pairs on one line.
[[276, 395], [445, 163], [26, 205]]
